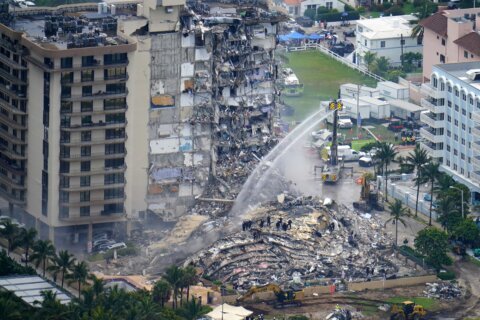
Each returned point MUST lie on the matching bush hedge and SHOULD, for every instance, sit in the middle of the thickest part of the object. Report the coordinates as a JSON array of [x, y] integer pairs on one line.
[[446, 275], [337, 16]]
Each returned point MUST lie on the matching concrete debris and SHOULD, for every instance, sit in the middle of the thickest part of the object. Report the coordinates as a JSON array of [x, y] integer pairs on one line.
[[299, 240], [340, 314], [443, 290]]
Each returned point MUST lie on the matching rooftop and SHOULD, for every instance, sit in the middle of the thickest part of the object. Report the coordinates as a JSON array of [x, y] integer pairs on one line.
[[458, 70], [471, 42], [29, 288], [405, 105], [387, 27]]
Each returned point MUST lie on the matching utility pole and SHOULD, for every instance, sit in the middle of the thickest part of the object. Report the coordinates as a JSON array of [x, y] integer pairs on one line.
[[358, 109], [401, 49]]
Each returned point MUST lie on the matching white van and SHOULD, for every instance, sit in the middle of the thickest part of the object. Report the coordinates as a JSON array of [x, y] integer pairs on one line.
[[347, 153]]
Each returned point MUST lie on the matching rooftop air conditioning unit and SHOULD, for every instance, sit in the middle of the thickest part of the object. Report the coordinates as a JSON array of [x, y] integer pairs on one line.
[[168, 9], [474, 74]]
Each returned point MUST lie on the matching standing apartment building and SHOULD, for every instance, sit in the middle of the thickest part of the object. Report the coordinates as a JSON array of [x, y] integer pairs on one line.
[[112, 112], [387, 37], [452, 122], [450, 36]]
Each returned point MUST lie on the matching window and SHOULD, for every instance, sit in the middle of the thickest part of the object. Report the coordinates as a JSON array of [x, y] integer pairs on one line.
[[64, 167], [464, 96], [64, 182], [112, 104], [329, 5], [465, 54], [67, 77], [448, 163], [85, 166], [443, 41], [114, 163], [469, 160], [471, 100], [449, 133], [84, 196], [112, 208], [442, 58], [115, 73], [66, 107], [64, 136], [86, 136], [64, 152], [462, 171], [365, 43], [457, 93], [86, 151], [464, 112], [442, 86], [115, 58], [87, 75], [463, 141], [64, 196], [448, 148], [64, 212], [114, 193], [455, 152], [449, 118], [455, 137], [115, 118], [114, 134], [382, 44], [86, 121], [66, 92], [66, 63], [114, 148], [115, 88], [65, 122], [88, 61], [113, 178], [84, 211], [449, 104], [435, 82], [85, 181], [86, 106], [463, 126], [469, 115], [457, 108], [456, 123], [86, 91], [462, 156], [449, 88]]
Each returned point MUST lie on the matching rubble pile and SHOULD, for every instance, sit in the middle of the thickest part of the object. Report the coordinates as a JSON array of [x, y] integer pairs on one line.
[[298, 239], [443, 290]]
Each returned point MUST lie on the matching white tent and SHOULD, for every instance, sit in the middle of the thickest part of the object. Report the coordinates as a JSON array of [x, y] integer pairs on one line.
[[229, 313]]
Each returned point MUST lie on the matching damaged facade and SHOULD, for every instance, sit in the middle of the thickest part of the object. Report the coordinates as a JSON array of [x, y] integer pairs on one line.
[[143, 102]]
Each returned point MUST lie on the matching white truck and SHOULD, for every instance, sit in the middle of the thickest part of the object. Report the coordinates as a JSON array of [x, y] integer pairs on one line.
[[346, 153]]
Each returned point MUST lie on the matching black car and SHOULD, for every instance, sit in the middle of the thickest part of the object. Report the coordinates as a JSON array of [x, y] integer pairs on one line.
[[350, 33], [305, 22]]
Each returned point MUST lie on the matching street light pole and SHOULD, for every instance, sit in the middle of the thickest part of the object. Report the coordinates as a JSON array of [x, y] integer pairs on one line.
[[463, 212]]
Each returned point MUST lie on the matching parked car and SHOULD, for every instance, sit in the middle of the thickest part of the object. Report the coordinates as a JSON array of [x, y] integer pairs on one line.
[[349, 33], [305, 22], [118, 245]]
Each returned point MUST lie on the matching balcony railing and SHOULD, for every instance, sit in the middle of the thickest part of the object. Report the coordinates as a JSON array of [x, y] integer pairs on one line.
[[96, 171], [117, 109], [14, 199], [93, 126], [428, 91], [476, 163], [476, 146], [476, 117], [95, 96], [435, 108], [93, 202], [431, 150], [431, 136], [426, 117], [92, 156], [100, 140], [96, 186]]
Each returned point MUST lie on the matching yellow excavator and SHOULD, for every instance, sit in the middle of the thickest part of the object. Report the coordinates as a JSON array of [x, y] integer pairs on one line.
[[408, 310], [284, 298]]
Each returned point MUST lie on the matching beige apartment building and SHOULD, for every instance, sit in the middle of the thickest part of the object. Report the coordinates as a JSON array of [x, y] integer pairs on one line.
[[450, 36], [116, 111]]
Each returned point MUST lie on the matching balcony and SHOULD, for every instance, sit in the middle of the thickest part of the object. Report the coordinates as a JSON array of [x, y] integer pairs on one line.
[[14, 199], [95, 217], [430, 106], [476, 132], [11, 78], [11, 138], [476, 146], [109, 110], [94, 126], [10, 108], [12, 154], [11, 63], [13, 183], [103, 140], [97, 186], [95, 96], [97, 171], [431, 150], [16, 94], [427, 118], [97, 81], [12, 168], [476, 162], [431, 136], [11, 123], [93, 202], [428, 91], [476, 117], [475, 176], [93, 156]]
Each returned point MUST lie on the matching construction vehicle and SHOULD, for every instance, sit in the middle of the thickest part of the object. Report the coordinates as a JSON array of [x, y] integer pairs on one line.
[[283, 298], [368, 197], [331, 172], [408, 310]]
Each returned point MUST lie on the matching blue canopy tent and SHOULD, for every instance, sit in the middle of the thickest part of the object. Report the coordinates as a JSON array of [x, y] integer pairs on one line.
[[283, 37], [296, 36]]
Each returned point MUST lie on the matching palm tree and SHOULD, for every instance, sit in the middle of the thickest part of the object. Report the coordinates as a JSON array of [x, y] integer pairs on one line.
[[97, 285], [9, 308], [62, 263], [426, 10], [79, 275], [369, 58], [193, 309], [51, 307], [189, 275], [397, 212], [161, 292], [418, 158], [10, 232], [27, 240], [443, 184], [386, 153], [430, 172], [173, 275], [42, 251], [383, 64], [448, 213]]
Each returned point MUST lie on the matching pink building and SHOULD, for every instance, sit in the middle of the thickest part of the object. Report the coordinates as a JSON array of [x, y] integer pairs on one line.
[[450, 36]]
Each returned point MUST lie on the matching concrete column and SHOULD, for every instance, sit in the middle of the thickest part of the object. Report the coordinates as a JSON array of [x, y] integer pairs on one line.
[[10, 209], [90, 238], [51, 234]]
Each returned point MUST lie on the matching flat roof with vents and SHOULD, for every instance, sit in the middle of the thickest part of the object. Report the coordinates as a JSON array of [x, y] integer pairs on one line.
[[29, 288]]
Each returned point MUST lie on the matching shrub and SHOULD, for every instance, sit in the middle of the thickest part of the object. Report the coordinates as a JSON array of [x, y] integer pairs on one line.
[[322, 10], [361, 10], [329, 17], [349, 8], [394, 11], [446, 275]]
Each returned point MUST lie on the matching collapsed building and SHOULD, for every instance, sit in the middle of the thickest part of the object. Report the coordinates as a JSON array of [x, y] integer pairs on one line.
[[318, 244], [147, 105]]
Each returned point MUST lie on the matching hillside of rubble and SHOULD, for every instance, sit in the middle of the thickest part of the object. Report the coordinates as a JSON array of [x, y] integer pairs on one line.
[[301, 240]]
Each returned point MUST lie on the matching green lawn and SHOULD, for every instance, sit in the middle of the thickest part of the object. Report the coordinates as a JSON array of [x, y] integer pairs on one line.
[[428, 303], [322, 77]]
